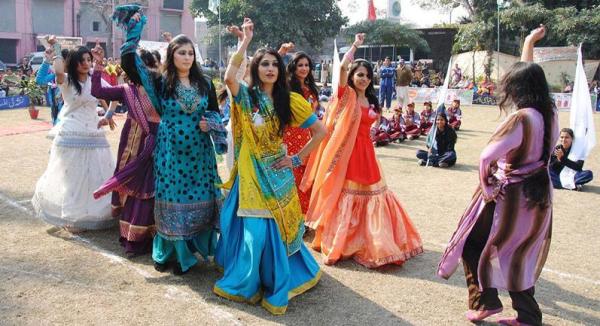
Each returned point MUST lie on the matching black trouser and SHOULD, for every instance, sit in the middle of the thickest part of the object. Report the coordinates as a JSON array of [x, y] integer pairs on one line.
[[528, 311]]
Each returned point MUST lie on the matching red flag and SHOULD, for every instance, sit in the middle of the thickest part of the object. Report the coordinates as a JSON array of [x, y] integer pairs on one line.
[[372, 16]]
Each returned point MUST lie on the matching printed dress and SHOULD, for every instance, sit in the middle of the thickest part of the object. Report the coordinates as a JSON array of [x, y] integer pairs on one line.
[[80, 161], [295, 139]]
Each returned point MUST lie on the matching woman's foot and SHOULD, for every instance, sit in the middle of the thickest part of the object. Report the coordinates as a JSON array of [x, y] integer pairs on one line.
[[73, 229], [160, 267], [479, 315], [178, 271], [512, 321]]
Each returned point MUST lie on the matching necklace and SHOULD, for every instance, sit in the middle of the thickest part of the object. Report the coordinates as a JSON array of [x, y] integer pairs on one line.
[[188, 98]]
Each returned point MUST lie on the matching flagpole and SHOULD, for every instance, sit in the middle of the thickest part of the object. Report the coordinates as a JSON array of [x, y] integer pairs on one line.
[[220, 60]]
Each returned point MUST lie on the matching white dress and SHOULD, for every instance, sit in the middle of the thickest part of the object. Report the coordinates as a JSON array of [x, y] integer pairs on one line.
[[80, 161]]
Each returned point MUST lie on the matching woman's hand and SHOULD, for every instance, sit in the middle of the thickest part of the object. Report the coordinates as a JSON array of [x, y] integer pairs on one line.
[[559, 153], [284, 162], [98, 53], [107, 122], [359, 39], [235, 31], [49, 54], [51, 39], [537, 34], [203, 125], [248, 29], [137, 17]]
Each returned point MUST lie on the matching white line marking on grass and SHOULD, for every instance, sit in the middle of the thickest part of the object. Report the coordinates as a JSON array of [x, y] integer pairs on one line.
[[15, 204], [171, 292], [544, 270], [24, 201]]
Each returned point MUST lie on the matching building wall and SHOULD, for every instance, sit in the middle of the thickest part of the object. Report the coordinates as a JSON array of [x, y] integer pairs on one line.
[[23, 20], [47, 16], [8, 23]]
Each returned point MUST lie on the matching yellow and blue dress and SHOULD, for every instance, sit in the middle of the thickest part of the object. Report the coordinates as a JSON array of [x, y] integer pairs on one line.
[[261, 249]]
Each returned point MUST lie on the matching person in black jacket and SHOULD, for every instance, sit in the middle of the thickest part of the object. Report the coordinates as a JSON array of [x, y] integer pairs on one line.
[[440, 152], [560, 159]]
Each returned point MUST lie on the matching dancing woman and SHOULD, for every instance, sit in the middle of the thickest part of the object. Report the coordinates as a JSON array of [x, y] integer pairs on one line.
[[301, 81], [503, 237], [80, 158], [187, 200], [132, 185], [261, 249], [351, 209]]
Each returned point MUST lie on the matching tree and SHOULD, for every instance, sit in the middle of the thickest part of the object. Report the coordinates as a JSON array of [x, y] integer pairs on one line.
[[385, 32], [566, 25], [276, 22], [470, 5]]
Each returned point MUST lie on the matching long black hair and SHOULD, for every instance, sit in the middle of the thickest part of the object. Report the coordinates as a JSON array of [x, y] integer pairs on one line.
[[309, 81], [196, 76], [525, 86], [129, 67], [370, 91], [74, 58], [281, 92]]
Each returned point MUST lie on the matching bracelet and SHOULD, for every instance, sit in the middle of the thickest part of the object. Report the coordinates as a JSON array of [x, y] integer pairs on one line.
[[296, 161], [57, 49], [354, 45], [236, 59], [109, 114]]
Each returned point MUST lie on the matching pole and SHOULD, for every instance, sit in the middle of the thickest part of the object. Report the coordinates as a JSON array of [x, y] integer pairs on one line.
[[112, 31], [498, 54], [219, 64]]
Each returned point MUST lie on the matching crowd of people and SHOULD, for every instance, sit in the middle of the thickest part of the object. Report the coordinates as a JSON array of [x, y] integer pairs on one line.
[[292, 166]]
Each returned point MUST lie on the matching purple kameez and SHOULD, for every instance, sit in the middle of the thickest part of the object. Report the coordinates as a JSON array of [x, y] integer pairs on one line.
[[519, 239], [132, 185]]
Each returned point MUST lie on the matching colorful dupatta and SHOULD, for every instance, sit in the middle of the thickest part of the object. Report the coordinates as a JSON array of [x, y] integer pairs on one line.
[[327, 166], [264, 191]]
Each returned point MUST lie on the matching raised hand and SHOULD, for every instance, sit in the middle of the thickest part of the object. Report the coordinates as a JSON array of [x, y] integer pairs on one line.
[[235, 31], [167, 36], [359, 39], [537, 34], [98, 53], [137, 17], [248, 28], [51, 39]]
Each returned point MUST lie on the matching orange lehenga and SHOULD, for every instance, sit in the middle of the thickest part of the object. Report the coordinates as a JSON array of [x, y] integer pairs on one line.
[[355, 214]]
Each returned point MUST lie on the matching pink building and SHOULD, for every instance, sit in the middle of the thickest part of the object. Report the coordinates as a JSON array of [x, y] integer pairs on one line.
[[23, 20]]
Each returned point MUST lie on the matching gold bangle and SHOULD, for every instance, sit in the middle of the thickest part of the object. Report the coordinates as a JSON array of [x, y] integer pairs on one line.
[[236, 59]]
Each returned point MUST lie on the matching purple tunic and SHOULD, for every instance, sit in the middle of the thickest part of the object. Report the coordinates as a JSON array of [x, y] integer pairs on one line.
[[519, 239], [132, 185]]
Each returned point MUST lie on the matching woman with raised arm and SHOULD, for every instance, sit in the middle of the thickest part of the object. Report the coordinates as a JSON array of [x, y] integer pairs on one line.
[[132, 185], [80, 158], [301, 81], [261, 249], [352, 211], [187, 201], [503, 237]]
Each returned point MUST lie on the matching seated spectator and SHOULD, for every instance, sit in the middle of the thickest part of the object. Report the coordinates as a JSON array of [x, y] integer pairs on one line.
[[454, 115], [560, 160], [411, 122], [325, 93], [463, 83], [486, 87], [396, 129], [379, 133], [568, 88], [440, 148], [427, 118]]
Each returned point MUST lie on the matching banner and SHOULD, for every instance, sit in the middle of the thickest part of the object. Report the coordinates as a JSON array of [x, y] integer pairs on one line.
[[418, 94], [563, 100], [14, 102]]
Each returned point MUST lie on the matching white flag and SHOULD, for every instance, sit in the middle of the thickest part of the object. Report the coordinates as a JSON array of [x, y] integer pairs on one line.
[[582, 123], [213, 5], [335, 76]]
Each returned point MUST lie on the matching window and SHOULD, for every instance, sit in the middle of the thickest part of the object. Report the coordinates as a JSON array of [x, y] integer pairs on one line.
[[95, 26], [173, 4]]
